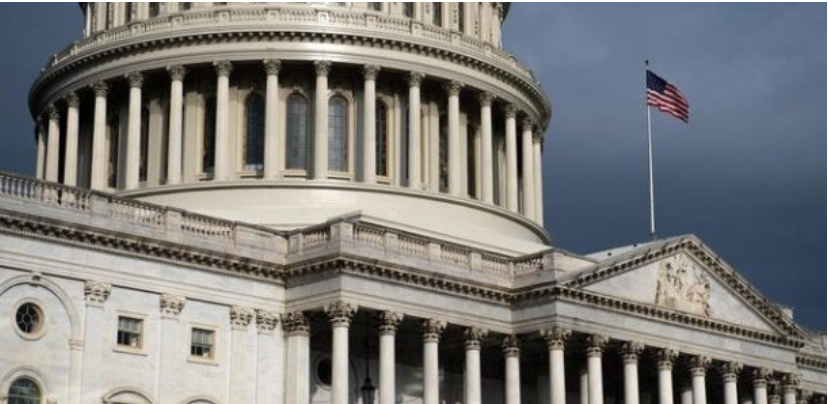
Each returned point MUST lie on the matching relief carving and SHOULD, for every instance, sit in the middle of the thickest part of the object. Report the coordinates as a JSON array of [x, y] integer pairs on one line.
[[681, 286]]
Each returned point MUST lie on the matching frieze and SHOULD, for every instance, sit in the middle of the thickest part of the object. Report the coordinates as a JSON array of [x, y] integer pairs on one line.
[[682, 286]]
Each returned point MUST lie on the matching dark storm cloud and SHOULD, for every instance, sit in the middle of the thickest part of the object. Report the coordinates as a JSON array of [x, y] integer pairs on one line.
[[747, 174]]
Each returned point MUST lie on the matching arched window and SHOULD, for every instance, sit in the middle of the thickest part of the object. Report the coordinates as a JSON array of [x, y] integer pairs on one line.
[[382, 139], [143, 162], [24, 391], [208, 143], [408, 9], [338, 134], [443, 152], [297, 132], [112, 137], [254, 109], [461, 17], [437, 14]]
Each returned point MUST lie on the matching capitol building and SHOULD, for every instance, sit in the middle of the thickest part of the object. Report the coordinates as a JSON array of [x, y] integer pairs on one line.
[[341, 203]]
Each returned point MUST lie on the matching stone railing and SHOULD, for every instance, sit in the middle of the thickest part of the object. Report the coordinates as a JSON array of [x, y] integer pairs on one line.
[[292, 18]]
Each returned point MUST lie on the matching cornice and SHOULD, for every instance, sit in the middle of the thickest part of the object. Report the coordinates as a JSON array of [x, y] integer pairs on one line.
[[811, 361]]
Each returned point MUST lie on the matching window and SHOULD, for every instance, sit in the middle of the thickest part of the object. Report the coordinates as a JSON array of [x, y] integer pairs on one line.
[[461, 17], [443, 153], [110, 15], [337, 134], [408, 10], [202, 343], [297, 132], [130, 331], [144, 157], [471, 153], [254, 108], [185, 6], [437, 14], [382, 139], [29, 318], [112, 138], [208, 143], [375, 6], [154, 9], [129, 9], [24, 391]]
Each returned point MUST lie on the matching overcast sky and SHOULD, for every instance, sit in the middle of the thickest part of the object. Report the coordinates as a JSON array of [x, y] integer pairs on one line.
[[747, 175]]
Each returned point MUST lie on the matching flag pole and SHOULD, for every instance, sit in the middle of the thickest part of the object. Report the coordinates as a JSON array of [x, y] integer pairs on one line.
[[650, 163]]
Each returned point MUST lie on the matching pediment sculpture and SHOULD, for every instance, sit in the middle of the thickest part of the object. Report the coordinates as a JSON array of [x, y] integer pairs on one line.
[[681, 286]]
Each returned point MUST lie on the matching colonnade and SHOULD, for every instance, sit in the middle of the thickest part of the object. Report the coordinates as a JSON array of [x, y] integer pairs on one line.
[[523, 142]]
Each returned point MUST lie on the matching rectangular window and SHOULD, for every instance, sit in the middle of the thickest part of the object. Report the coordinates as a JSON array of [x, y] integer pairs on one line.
[[202, 343], [130, 331]]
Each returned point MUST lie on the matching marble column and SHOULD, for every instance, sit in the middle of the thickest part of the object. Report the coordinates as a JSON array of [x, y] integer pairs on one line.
[[595, 349], [75, 371], [511, 159], [169, 356], [99, 149], [666, 358], [555, 338], [95, 294], [40, 132], [53, 144], [432, 329], [369, 124], [698, 371], [790, 383], [340, 315], [414, 135], [583, 382], [630, 352], [537, 149], [730, 374], [272, 151], [240, 319], [222, 153], [760, 385], [473, 382], [528, 168], [269, 358], [174, 140], [686, 391], [486, 153], [511, 353], [70, 159], [389, 321], [320, 139], [133, 150], [453, 91], [297, 361]]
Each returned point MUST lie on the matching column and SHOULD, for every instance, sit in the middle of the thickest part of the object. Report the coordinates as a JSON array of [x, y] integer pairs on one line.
[[555, 341], [698, 370], [528, 167], [169, 356], [595, 349], [340, 315], [222, 153], [432, 329], [40, 132], [486, 153], [320, 139], [414, 136], [511, 159], [297, 361], [99, 151], [453, 91], [790, 383], [174, 146], [805, 397], [389, 321], [53, 144], [133, 154], [369, 124], [511, 353], [473, 380], [95, 294], [666, 358], [75, 370], [630, 352], [760, 385], [584, 384], [538, 167], [686, 392], [272, 150], [240, 319], [269, 360], [730, 374], [70, 160]]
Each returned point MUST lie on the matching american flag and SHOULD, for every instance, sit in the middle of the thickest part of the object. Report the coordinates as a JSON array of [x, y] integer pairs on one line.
[[667, 97]]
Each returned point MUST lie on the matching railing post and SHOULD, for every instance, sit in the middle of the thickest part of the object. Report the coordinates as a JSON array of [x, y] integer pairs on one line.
[[99, 205], [434, 251], [342, 233], [475, 261], [173, 219], [295, 243], [392, 244]]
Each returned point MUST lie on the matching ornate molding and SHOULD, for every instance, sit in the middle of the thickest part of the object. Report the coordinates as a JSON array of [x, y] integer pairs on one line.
[[135, 79], [415, 79], [432, 329], [630, 351], [730, 371], [322, 67], [556, 337], [666, 357], [272, 66], [72, 100], [485, 98], [511, 346], [96, 293], [241, 317], [177, 72], [595, 344], [340, 313], [527, 123], [790, 383], [698, 365], [389, 321], [510, 110], [453, 88], [171, 305], [266, 321], [370, 72], [473, 336], [52, 113], [761, 377], [100, 88], [223, 68], [296, 323]]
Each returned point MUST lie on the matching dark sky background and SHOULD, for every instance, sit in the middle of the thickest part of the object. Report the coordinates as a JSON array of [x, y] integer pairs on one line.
[[747, 175]]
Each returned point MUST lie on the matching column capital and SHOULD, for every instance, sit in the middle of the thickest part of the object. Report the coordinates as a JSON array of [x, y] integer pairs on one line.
[[52, 113], [340, 313], [370, 72], [596, 344], [272, 66], [537, 136], [432, 329], [296, 323], [803, 397], [473, 336], [415, 79], [389, 321], [527, 123], [698, 365], [510, 110], [761, 377], [774, 398], [100, 88], [322, 67], [171, 305], [555, 337], [666, 357], [730, 371], [630, 351], [72, 100], [453, 87], [266, 321], [223, 68], [177, 72], [790, 382], [96, 293], [241, 317], [485, 98], [135, 79], [511, 346]]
